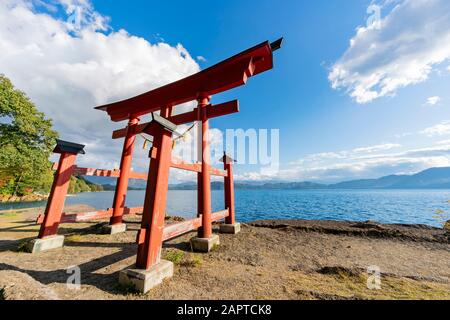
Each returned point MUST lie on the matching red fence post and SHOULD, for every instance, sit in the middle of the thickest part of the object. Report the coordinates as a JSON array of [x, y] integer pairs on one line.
[[48, 238], [116, 225], [199, 175], [230, 225]]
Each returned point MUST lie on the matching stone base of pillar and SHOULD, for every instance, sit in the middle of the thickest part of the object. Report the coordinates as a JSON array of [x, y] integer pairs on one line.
[[48, 243], [230, 228], [205, 244], [114, 229], [144, 280]]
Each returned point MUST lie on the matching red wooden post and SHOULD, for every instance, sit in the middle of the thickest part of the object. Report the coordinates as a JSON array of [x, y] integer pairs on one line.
[[151, 233], [55, 203], [199, 175], [125, 168], [230, 225], [229, 189], [205, 205], [199, 199]]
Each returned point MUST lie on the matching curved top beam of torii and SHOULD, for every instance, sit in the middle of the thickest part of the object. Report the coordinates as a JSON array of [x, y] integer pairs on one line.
[[226, 75]]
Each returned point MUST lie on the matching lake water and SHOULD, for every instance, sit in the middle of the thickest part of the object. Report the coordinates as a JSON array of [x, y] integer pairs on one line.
[[386, 206]]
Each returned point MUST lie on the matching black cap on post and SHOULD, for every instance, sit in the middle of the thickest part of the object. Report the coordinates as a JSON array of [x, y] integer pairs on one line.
[[276, 44], [68, 147], [226, 158], [163, 122]]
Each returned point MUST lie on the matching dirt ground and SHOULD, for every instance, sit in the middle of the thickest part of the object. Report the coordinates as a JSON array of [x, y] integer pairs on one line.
[[267, 260]]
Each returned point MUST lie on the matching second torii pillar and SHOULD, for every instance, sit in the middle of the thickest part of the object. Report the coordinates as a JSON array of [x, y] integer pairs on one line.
[[115, 224], [206, 240]]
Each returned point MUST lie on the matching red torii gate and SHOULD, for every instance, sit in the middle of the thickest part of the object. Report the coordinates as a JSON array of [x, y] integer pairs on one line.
[[228, 74]]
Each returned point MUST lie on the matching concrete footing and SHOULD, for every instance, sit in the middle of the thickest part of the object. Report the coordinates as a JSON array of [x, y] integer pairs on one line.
[[48, 243], [205, 244], [114, 229], [144, 280], [230, 228]]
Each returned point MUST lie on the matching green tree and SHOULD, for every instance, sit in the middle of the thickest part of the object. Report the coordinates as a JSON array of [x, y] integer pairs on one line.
[[26, 142], [79, 184]]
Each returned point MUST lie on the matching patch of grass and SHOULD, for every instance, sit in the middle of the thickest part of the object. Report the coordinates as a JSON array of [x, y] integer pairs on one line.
[[174, 255], [9, 214], [23, 246], [74, 238], [447, 225], [215, 247], [2, 294], [348, 285], [192, 260]]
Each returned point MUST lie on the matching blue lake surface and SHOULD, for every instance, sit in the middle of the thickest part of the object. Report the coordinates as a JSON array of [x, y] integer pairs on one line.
[[386, 206]]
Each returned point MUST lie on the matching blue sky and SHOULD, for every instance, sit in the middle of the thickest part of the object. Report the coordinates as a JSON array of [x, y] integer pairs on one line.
[[387, 112]]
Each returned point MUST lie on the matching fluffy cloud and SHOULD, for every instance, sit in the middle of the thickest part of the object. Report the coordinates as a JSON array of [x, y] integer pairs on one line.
[[67, 59], [398, 50], [432, 101], [377, 148], [440, 129], [361, 163]]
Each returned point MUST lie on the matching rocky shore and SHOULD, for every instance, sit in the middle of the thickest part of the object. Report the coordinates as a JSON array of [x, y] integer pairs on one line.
[[27, 198]]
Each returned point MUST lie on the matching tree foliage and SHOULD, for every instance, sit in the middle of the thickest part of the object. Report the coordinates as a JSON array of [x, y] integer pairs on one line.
[[78, 185], [26, 142]]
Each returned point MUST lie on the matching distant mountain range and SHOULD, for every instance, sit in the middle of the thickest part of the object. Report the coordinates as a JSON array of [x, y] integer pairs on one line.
[[434, 178]]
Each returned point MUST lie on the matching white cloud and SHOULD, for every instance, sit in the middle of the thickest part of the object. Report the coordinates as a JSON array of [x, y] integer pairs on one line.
[[347, 154], [401, 50], [432, 101], [68, 69], [377, 148], [201, 58], [360, 163], [440, 129], [442, 142]]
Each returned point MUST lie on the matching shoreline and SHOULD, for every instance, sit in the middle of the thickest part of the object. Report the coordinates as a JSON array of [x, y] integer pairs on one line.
[[35, 197], [324, 226], [10, 199]]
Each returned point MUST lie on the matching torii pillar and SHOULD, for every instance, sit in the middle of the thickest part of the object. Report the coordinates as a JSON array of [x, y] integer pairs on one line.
[[115, 224], [230, 226], [206, 240], [151, 270], [48, 237]]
